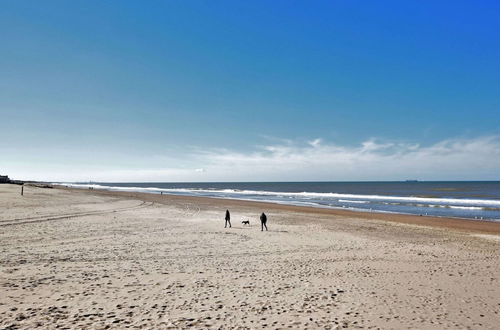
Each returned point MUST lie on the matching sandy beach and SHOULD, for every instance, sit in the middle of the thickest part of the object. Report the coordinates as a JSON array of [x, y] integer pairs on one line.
[[88, 259]]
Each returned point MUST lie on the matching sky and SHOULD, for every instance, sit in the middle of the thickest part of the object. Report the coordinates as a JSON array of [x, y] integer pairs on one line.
[[129, 91]]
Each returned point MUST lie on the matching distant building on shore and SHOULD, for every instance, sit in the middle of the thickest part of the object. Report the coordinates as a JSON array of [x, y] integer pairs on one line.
[[4, 179]]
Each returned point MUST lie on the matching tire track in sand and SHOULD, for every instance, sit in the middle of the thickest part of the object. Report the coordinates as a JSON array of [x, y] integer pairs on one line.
[[14, 222]]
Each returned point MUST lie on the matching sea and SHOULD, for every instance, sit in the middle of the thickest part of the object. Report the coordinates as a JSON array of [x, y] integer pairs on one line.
[[476, 200]]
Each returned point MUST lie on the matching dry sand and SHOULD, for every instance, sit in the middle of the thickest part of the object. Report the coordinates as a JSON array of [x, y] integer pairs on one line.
[[96, 260]]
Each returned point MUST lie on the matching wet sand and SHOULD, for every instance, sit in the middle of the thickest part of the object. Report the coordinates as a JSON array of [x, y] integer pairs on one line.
[[95, 260]]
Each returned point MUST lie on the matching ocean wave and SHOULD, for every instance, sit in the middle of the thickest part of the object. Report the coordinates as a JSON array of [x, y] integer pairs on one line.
[[465, 207], [350, 201], [353, 198]]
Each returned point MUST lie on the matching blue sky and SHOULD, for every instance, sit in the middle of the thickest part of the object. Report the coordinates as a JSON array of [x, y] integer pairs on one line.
[[249, 90]]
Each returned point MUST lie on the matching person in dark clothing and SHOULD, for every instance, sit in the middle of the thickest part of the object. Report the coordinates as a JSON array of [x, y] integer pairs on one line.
[[228, 219], [263, 220]]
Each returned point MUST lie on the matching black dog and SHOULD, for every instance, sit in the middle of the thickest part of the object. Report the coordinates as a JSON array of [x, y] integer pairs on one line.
[[246, 222]]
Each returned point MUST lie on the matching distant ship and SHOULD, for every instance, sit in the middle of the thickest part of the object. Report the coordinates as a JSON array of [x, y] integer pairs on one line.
[[411, 181]]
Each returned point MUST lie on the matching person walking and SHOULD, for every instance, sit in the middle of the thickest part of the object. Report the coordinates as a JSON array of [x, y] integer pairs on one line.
[[228, 219], [263, 220]]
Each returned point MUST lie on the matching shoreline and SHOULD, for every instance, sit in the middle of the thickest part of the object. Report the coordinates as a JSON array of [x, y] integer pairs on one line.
[[457, 224]]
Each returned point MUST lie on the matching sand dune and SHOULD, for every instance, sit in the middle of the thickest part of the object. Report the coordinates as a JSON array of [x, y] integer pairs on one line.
[[89, 259]]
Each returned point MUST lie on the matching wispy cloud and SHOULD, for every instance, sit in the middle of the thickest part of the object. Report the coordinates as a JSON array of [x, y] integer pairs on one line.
[[284, 160], [477, 158]]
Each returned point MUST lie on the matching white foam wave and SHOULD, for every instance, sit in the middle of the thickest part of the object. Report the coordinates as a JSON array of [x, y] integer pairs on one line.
[[351, 201], [456, 202], [465, 207]]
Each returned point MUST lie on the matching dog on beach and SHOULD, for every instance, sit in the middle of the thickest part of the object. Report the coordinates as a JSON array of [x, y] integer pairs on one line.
[[246, 222]]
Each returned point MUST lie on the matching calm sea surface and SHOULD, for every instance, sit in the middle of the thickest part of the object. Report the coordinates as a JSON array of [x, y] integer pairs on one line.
[[473, 200]]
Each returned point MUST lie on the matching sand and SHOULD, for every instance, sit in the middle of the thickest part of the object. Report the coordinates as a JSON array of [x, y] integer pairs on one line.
[[83, 259]]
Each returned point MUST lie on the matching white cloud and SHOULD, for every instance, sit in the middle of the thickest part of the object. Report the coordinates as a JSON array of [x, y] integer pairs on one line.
[[452, 159], [315, 142]]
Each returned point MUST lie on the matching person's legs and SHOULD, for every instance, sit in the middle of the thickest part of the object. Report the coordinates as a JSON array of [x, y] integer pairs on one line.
[[229, 223], [265, 225]]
